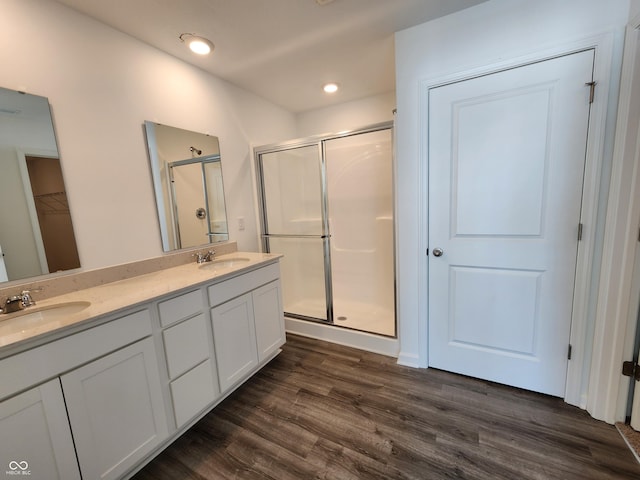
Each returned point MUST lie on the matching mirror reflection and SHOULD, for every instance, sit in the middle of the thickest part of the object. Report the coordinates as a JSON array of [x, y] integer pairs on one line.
[[36, 232], [187, 177]]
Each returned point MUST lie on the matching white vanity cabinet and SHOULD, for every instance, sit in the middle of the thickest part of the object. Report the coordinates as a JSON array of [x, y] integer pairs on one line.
[[34, 434], [247, 322], [101, 401], [100, 387], [115, 410]]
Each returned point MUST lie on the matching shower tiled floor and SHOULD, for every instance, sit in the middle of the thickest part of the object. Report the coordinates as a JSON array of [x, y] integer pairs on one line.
[[349, 314]]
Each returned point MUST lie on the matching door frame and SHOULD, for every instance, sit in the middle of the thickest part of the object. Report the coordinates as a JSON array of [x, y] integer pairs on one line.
[[22, 154], [586, 270], [618, 299]]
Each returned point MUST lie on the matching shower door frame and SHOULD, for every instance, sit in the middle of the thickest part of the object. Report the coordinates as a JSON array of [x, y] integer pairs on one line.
[[173, 199], [319, 141]]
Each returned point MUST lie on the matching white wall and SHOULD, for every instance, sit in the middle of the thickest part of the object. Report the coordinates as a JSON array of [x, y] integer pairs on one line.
[[347, 116], [102, 86], [491, 33], [634, 9]]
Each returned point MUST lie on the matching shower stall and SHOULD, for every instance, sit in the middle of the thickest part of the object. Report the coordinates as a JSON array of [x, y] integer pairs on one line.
[[327, 206], [197, 198]]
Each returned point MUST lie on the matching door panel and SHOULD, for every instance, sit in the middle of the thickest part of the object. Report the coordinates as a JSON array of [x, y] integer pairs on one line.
[[188, 187], [294, 225], [35, 435], [501, 295], [506, 162], [292, 188], [116, 410], [234, 338], [303, 275], [495, 195]]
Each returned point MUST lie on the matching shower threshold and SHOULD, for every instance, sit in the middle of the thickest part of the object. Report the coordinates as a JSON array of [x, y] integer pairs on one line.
[[350, 314]]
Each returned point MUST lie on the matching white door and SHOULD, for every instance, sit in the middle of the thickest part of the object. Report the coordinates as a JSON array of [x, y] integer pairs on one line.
[[506, 162]]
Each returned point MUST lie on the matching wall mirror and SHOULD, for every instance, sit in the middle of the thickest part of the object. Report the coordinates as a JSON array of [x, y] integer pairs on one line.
[[36, 232], [187, 178]]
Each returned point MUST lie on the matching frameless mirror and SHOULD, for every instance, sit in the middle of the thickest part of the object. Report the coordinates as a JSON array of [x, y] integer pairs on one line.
[[187, 178], [36, 232]]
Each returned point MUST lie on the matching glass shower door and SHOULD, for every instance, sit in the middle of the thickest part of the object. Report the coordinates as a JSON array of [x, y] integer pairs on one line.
[[359, 171], [188, 197], [294, 225]]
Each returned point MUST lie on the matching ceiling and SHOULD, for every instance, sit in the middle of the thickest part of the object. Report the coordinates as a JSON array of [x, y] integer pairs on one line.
[[281, 50]]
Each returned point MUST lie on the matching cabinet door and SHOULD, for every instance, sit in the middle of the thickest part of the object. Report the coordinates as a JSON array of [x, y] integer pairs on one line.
[[35, 438], [234, 338], [269, 319], [116, 410]]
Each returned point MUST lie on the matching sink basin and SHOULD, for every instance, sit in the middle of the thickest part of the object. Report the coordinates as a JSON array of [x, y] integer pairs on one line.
[[224, 263], [54, 312]]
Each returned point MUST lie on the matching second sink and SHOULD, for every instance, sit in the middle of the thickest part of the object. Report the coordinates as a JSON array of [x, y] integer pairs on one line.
[[225, 263]]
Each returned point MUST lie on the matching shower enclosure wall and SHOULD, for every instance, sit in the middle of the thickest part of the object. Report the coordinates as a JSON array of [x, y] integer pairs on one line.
[[327, 205]]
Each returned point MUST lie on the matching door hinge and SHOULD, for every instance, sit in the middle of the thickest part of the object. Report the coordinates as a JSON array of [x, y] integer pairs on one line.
[[579, 231], [592, 92], [631, 369], [569, 352]]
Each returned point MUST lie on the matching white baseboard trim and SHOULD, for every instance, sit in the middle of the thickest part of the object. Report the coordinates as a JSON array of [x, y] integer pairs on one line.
[[409, 360]]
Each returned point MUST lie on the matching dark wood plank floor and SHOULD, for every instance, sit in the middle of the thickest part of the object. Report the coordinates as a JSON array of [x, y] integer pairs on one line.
[[323, 411]]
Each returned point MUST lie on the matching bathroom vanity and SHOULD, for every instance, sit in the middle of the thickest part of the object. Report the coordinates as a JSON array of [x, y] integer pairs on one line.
[[100, 391]]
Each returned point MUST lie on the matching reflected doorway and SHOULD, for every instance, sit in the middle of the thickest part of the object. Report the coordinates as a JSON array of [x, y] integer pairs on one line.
[[52, 209]]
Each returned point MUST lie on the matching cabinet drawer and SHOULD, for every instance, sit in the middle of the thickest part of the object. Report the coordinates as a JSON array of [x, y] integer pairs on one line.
[[179, 308], [186, 345], [234, 287], [192, 392]]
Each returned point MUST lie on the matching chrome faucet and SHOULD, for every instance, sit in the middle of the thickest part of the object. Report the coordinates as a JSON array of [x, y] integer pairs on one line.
[[15, 303], [27, 299], [203, 257]]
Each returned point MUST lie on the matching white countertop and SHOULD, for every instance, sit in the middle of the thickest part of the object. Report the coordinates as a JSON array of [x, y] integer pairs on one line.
[[20, 327]]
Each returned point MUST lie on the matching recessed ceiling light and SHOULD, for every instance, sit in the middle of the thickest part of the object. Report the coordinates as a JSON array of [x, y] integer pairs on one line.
[[330, 88], [197, 44]]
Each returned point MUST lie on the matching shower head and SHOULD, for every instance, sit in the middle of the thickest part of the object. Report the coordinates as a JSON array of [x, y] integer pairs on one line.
[[195, 150]]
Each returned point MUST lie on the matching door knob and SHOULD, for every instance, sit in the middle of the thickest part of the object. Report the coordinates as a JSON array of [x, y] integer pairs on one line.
[[437, 252]]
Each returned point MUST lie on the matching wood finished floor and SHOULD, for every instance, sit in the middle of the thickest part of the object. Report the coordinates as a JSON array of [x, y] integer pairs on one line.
[[323, 411]]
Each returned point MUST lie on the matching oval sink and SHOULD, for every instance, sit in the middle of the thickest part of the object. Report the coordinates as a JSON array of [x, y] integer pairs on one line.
[[48, 312], [224, 263]]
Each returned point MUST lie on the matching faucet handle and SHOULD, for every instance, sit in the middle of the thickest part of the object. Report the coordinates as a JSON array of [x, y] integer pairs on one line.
[[27, 299]]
